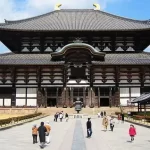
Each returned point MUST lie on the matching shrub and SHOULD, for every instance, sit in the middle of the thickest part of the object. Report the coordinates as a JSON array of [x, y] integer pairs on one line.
[[19, 118]]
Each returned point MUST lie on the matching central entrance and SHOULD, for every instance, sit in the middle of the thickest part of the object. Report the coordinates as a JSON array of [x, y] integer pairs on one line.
[[51, 102], [78, 93]]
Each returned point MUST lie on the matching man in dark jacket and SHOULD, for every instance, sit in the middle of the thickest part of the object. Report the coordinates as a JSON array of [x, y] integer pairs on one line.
[[42, 131], [122, 116], [89, 128]]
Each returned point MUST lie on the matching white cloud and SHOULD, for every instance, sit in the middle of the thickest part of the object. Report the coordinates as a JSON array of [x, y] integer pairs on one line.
[[147, 49], [16, 9]]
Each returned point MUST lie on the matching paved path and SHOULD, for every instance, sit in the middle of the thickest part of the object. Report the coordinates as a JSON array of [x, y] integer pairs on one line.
[[72, 136]]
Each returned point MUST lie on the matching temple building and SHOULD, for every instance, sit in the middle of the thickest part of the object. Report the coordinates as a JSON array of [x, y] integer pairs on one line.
[[74, 54]]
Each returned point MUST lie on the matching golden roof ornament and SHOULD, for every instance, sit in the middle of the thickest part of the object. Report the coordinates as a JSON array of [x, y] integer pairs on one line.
[[97, 6], [57, 6]]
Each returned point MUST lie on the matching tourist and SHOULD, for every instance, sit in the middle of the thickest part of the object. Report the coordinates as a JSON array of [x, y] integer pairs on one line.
[[119, 118], [48, 128], [101, 114], [104, 113], [66, 117], [112, 123], [34, 133], [42, 131], [105, 122], [98, 114], [122, 117], [132, 132], [56, 117], [60, 117], [89, 128]]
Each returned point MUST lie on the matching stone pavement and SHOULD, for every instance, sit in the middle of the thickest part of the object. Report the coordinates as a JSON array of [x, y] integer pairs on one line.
[[72, 136]]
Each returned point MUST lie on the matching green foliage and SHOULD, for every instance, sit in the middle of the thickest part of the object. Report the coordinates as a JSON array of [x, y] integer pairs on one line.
[[19, 118]]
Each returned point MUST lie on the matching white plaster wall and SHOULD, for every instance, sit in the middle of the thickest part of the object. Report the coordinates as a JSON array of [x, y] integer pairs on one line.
[[31, 102], [31, 92], [7, 102], [20, 102], [1, 102], [124, 92], [123, 101], [20, 92], [135, 92]]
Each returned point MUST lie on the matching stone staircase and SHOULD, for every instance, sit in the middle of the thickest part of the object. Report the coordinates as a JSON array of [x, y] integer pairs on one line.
[[88, 111]]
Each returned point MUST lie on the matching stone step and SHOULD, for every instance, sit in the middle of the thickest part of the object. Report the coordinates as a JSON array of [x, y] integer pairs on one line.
[[90, 111]]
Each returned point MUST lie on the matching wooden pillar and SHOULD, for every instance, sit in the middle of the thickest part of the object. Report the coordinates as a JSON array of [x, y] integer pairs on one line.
[[26, 97], [91, 95], [84, 96], [65, 94], [72, 95], [39, 92], [142, 79], [13, 98], [117, 90], [99, 103], [110, 97], [45, 96], [57, 97]]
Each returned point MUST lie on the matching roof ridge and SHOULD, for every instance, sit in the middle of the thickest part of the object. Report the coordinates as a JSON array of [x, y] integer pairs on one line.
[[125, 18], [147, 22], [27, 19]]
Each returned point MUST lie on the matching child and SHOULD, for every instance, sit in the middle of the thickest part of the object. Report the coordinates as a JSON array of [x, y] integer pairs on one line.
[[34, 134], [132, 132]]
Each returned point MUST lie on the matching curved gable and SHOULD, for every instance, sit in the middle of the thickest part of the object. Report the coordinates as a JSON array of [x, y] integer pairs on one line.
[[78, 51]]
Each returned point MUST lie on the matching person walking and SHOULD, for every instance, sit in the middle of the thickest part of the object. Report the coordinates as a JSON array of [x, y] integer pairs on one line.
[[101, 114], [104, 113], [122, 117], [56, 117], [48, 128], [119, 118], [132, 132], [42, 131], [89, 128], [112, 123], [105, 122], [66, 117], [60, 117], [34, 133], [98, 114]]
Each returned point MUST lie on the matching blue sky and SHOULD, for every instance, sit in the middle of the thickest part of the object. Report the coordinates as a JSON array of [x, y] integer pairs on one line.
[[19, 9]]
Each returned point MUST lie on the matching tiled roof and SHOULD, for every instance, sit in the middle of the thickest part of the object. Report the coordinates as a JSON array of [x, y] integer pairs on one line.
[[27, 59], [126, 59], [76, 20], [142, 98], [45, 59]]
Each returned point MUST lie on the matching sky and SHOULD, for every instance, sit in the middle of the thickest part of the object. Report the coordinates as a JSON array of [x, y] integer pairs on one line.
[[20, 9]]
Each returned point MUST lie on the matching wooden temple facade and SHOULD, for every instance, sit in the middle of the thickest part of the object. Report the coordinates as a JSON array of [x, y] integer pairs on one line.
[[65, 55]]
